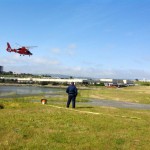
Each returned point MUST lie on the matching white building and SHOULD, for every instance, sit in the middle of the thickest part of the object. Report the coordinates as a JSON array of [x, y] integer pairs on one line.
[[51, 80]]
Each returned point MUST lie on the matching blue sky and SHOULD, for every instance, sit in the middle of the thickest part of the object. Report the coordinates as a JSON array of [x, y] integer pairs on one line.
[[92, 38]]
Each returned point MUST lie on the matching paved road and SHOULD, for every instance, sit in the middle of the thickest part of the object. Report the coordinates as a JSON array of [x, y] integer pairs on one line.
[[119, 104]]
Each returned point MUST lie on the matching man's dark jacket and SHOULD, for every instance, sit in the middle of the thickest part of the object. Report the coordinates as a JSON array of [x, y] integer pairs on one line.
[[72, 90]]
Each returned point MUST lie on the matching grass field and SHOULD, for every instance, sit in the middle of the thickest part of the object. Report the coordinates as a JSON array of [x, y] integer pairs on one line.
[[27, 124]]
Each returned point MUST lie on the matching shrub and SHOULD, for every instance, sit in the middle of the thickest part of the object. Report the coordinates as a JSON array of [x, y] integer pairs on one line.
[[144, 83]]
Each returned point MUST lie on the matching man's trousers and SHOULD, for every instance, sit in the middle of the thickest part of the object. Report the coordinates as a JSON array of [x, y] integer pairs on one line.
[[73, 99]]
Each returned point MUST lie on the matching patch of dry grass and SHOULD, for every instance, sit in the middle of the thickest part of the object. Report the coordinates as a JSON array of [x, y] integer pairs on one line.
[[138, 94]]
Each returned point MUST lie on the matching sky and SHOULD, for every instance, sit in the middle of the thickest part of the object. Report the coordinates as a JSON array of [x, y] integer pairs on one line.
[[88, 38]]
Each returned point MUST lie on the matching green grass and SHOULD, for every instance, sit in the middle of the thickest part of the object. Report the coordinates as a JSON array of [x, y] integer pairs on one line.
[[27, 124]]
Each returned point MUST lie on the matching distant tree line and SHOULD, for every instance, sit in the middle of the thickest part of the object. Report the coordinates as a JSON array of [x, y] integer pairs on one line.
[[21, 75]]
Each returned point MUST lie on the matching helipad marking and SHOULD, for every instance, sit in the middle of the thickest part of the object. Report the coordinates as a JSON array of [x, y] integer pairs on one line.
[[94, 113]]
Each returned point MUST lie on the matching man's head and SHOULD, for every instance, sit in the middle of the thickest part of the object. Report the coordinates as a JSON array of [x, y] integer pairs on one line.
[[72, 83]]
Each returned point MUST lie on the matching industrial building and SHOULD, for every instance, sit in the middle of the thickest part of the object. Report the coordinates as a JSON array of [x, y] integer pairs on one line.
[[46, 80], [52, 80]]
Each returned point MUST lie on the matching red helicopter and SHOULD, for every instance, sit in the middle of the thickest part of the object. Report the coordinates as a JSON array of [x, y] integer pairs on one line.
[[22, 50]]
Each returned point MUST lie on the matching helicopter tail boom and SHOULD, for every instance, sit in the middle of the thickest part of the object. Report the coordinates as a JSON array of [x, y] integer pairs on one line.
[[8, 47]]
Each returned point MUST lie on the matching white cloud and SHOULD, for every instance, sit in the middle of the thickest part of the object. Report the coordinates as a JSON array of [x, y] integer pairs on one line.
[[72, 46], [71, 49], [71, 52], [52, 67], [55, 50], [44, 61], [25, 64]]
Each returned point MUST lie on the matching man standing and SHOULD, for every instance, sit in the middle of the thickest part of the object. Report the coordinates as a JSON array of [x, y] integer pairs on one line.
[[72, 93]]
